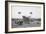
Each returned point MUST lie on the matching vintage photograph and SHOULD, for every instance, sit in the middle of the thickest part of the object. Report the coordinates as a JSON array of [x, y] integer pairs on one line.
[[25, 16]]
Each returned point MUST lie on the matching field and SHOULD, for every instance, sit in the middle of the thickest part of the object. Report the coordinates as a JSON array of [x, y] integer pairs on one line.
[[23, 23]]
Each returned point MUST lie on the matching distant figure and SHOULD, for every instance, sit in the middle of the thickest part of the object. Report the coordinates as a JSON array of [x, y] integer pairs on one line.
[[26, 20]]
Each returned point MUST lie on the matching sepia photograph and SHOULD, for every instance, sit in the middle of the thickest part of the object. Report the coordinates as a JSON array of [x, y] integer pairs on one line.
[[24, 16]]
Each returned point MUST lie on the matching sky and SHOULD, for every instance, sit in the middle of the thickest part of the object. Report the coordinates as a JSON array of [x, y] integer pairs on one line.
[[25, 11]]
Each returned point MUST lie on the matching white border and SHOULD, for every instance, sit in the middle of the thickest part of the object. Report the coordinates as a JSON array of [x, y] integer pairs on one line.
[[23, 29]]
